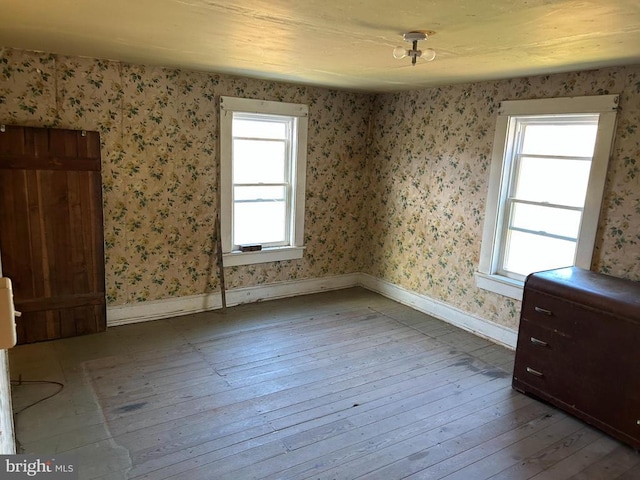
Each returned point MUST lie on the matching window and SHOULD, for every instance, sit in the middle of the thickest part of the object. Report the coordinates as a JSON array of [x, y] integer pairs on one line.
[[545, 190], [263, 165]]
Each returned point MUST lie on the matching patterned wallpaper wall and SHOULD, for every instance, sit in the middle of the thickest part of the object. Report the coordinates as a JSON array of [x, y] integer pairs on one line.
[[408, 208], [158, 130], [429, 168]]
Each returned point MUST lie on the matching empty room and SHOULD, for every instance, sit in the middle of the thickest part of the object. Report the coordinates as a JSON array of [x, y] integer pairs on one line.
[[323, 240]]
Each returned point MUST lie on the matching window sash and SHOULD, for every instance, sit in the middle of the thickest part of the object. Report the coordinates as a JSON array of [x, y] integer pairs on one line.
[[287, 176], [510, 207], [512, 165], [509, 227], [286, 198], [284, 174]]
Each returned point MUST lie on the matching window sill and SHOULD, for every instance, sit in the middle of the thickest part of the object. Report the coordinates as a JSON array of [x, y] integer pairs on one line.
[[276, 254], [504, 286]]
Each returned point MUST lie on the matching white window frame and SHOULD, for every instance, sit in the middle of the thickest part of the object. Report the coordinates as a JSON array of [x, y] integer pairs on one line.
[[288, 182], [231, 255], [606, 106]]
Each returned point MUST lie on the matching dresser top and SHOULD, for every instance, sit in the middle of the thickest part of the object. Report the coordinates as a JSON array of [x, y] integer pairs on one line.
[[589, 288]]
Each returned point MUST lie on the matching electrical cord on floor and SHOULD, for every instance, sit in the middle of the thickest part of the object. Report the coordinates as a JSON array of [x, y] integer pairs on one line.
[[31, 382]]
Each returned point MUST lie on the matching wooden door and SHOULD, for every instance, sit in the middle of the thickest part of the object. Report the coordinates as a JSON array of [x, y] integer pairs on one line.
[[51, 234]]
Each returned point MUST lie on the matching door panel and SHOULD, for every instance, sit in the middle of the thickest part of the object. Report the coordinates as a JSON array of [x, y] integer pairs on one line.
[[51, 234]]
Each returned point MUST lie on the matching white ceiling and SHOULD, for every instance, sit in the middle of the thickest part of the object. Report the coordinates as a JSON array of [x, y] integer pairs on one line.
[[335, 43]]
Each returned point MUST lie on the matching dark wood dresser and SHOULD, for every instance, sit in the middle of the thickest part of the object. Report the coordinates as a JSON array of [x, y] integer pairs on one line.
[[579, 348]]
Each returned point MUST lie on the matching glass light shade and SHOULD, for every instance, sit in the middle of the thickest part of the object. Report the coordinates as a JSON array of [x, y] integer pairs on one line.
[[428, 54], [399, 52]]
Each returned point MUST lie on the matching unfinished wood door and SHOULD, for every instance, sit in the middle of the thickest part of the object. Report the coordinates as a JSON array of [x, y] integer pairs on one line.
[[51, 234]]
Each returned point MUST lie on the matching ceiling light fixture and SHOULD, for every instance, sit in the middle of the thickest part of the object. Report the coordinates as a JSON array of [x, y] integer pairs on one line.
[[427, 54]]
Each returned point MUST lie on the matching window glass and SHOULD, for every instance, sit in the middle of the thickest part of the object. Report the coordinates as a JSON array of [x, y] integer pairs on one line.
[[554, 138], [267, 193], [548, 176], [552, 180], [259, 222], [259, 161], [260, 213], [548, 220], [258, 128], [261, 179], [528, 252]]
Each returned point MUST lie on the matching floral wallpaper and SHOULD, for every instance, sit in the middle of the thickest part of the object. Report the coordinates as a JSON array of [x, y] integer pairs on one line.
[[158, 130], [396, 183], [429, 167]]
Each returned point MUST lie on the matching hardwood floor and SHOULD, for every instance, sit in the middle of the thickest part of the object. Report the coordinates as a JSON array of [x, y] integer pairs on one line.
[[339, 385]]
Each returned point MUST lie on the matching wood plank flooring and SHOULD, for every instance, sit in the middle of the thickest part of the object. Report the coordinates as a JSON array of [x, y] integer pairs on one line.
[[339, 385]]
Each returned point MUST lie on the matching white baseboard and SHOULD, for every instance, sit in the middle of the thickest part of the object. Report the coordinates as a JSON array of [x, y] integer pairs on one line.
[[293, 288], [172, 307], [442, 311], [157, 309]]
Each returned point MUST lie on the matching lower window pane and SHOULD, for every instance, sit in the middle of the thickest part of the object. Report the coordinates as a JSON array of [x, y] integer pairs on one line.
[[259, 222], [526, 253], [556, 221]]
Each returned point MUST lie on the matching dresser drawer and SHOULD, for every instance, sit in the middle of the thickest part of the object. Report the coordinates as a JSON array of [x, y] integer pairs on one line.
[[567, 318], [538, 342], [542, 359]]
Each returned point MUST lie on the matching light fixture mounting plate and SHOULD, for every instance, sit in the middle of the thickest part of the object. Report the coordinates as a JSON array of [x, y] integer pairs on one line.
[[417, 35], [413, 36]]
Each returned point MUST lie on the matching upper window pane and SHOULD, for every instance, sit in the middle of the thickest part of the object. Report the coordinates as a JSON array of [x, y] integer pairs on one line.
[[552, 180], [561, 139], [259, 161], [259, 128]]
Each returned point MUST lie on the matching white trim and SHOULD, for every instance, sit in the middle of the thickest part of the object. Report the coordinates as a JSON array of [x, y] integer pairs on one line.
[[505, 286], [553, 106], [492, 209], [291, 288], [249, 105], [226, 121], [171, 307], [300, 180], [595, 189], [7, 428], [274, 254], [157, 309], [442, 311]]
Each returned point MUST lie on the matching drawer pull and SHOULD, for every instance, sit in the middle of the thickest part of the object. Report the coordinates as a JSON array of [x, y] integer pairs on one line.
[[543, 311], [536, 341], [534, 372]]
